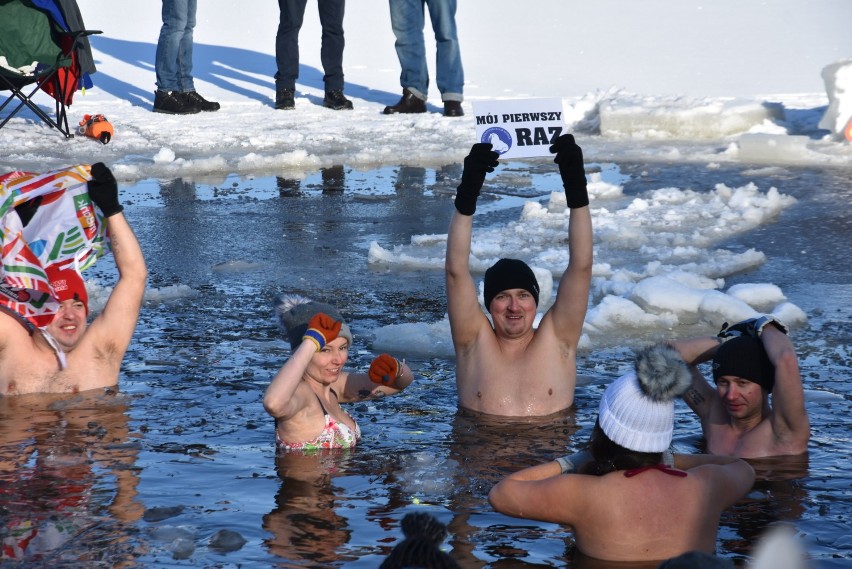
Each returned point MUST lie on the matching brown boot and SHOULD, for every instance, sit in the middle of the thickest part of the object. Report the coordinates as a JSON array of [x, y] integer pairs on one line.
[[409, 103]]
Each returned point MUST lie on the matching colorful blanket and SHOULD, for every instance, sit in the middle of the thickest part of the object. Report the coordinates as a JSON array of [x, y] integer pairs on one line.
[[66, 231]]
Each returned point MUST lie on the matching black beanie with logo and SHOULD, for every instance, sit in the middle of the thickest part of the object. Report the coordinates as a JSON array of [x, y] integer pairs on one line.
[[745, 357]]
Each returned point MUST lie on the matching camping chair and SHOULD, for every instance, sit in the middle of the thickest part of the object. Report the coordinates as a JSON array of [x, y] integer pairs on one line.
[[39, 52]]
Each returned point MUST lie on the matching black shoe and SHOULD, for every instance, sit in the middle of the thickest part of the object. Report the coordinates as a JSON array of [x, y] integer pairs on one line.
[[453, 109], [194, 98], [409, 103], [284, 99], [173, 103], [335, 100]]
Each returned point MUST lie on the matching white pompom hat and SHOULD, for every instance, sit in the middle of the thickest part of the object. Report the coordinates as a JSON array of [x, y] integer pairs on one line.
[[637, 409]]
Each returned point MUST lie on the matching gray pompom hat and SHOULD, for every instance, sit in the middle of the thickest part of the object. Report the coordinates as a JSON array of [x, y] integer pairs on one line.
[[637, 409], [294, 312]]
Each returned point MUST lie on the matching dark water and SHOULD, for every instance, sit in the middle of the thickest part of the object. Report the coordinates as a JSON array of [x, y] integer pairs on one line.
[[151, 475]]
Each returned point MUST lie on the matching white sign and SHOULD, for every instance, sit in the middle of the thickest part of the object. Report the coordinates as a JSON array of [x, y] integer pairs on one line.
[[520, 128]]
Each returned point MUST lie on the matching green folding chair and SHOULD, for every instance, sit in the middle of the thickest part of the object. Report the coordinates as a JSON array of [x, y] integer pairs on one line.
[[36, 53]]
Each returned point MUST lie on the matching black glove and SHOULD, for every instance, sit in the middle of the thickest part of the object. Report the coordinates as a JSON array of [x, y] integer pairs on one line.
[[479, 162], [569, 156], [27, 210], [103, 189], [750, 327]]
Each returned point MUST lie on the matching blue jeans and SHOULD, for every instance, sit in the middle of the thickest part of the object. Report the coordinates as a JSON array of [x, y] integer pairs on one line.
[[408, 21], [173, 62], [287, 43]]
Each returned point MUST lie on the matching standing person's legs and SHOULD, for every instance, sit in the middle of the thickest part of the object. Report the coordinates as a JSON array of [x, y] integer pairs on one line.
[[449, 74], [186, 82], [167, 59], [331, 52], [287, 43], [407, 21]]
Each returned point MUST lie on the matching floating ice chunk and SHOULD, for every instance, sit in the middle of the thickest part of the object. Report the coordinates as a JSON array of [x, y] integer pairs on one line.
[[428, 338], [761, 296], [164, 156], [717, 308], [168, 293], [614, 313], [659, 295], [779, 548], [790, 314], [761, 148], [682, 118]]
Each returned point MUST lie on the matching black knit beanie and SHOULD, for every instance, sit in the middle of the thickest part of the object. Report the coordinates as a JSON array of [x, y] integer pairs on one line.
[[506, 274], [745, 357]]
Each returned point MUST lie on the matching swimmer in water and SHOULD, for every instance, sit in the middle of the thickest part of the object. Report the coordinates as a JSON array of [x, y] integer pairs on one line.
[[305, 396], [508, 368], [625, 496], [751, 360], [69, 355]]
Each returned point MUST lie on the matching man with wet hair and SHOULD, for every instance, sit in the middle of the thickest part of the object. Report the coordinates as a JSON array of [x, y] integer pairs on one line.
[[751, 360], [69, 355], [508, 368]]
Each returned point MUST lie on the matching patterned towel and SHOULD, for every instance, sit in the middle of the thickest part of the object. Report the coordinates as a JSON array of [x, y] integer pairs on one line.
[[66, 231]]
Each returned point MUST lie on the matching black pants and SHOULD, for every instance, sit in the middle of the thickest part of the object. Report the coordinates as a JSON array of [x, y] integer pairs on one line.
[[287, 42]]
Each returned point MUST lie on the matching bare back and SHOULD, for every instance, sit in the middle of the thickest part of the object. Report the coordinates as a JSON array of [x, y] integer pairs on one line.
[[656, 516], [652, 515]]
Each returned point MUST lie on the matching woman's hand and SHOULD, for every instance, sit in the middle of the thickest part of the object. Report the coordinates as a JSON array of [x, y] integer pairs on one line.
[[322, 329]]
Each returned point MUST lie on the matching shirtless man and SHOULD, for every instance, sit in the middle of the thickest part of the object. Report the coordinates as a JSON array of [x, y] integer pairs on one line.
[[751, 359], [625, 496], [85, 356], [509, 369]]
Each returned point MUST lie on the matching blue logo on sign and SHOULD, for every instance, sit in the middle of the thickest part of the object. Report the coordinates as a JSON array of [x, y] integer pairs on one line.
[[500, 139]]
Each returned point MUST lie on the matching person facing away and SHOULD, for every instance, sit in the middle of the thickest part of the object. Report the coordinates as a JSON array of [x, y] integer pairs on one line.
[[69, 355], [331, 52], [751, 360], [625, 496], [508, 368], [304, 396], [407, 21], [421, 547], [176, 94]]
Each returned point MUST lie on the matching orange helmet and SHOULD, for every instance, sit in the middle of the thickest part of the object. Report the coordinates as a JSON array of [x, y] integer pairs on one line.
[[97, 127]]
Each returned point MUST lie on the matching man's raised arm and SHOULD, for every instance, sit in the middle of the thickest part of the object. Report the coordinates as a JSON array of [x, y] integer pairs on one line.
[[466, 318], [572, 296], [113, 328], [789, 417]]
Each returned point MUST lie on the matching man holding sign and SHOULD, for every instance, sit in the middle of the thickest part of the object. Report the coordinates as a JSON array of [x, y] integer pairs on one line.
[[509, 368]]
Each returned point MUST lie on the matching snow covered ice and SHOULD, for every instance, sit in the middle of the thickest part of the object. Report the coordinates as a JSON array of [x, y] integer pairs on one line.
[[707, 84]]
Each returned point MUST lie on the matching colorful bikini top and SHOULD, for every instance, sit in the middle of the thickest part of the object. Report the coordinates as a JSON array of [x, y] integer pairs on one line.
[[335, 434], [661, 467]]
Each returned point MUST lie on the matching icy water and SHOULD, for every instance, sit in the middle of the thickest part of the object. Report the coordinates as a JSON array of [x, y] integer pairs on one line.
[[154, 474]]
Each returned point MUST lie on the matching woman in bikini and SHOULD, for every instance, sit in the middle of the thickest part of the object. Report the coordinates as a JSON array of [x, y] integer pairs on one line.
[[305, 396], [625, 496]]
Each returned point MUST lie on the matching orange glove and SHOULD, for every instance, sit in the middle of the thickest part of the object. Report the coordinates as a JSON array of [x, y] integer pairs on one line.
[[385, 370], [322, 329]]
